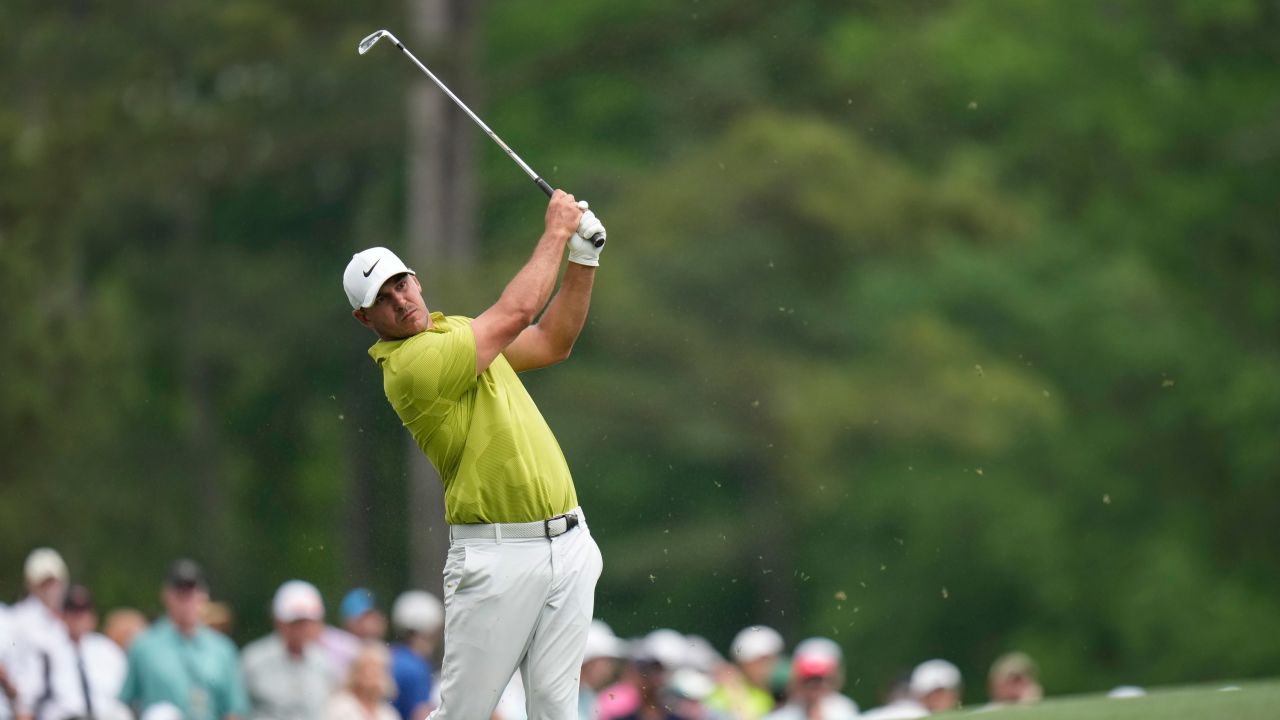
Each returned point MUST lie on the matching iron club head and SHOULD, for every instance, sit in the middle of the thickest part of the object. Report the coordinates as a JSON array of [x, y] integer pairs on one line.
[[373, 39]]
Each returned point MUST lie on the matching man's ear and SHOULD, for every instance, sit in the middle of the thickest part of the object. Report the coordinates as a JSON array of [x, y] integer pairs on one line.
[[359, 314]]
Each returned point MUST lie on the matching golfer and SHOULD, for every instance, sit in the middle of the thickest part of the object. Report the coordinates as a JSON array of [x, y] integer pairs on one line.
[[519, 581]]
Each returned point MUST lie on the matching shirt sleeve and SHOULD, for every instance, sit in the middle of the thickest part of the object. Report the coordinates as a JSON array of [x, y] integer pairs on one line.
[[437, 365]]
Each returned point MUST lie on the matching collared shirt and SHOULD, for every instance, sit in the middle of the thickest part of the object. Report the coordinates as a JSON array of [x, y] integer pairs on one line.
[[495, 453], [199, 674], [104, 671], [36, 629], [284, 687]]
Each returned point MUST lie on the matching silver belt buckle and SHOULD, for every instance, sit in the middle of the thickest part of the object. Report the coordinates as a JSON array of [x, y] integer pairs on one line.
[[570, 522]]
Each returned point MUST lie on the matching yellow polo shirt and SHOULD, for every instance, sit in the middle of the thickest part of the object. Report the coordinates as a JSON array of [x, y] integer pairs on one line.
[[495, 453]]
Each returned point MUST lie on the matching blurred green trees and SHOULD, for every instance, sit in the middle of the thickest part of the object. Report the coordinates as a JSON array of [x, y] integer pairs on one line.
[[937, 328]]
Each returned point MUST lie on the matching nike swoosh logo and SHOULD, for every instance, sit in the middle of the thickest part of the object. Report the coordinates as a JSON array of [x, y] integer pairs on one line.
[[371, 267]]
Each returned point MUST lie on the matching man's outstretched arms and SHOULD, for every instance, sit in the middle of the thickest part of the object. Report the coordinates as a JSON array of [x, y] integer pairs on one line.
[[527, 293]]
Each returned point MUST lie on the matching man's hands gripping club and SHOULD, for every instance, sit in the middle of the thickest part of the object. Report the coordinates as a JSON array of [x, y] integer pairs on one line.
[[563, 213], [508, 326]]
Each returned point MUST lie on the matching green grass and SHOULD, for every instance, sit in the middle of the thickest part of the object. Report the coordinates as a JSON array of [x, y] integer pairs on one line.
[[1253, 701]]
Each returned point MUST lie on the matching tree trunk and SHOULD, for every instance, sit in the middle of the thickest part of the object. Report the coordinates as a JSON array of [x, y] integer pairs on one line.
[[440, 225]]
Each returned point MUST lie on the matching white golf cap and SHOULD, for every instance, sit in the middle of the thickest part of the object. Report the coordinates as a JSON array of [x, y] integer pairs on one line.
[[602, 643], [820, 647], [367, 271], [933, 675], [297, 600], [44, 563], [418, 611], [755, 642], [664, 646]]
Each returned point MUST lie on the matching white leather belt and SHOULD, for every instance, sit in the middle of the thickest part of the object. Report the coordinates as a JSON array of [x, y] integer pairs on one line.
[[549, 528]]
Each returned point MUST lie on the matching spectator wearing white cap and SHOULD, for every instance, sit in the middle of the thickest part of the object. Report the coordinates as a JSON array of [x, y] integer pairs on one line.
[[285, 673], [599, 667], [816, 678], [417, 617], [743, 689], [936, 685], [37, 626]]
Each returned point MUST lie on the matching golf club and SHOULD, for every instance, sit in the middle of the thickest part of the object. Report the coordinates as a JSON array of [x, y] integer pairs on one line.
[[373, 39]]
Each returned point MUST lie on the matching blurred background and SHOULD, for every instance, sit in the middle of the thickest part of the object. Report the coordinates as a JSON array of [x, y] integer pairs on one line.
[[936, 328]]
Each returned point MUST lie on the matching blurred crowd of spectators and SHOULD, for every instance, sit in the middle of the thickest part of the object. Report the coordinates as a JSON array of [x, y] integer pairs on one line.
[[55, 665]]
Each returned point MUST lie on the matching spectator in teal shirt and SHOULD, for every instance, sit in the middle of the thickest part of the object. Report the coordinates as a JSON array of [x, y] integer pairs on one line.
[[181, 662]]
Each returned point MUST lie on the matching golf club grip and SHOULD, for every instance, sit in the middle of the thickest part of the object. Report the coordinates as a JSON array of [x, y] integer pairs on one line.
[[597, 239]]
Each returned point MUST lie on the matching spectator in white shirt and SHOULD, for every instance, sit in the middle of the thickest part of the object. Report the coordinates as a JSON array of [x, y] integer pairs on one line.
[[37, 625], [86, 669], [285, 672]]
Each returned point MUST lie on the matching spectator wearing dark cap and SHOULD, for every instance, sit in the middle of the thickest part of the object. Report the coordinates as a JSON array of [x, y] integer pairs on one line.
[[816, 678], [1015, 680], [180, 662], [86, 669], [285, 673]]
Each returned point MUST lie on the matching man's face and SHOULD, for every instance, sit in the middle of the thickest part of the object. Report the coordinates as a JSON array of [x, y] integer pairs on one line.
[[598, 672], [184, 604], [759, 670], [298, 633], [50, 591], [80, 622], [371, 625], [941, 699], [398, 310], [812, 688]]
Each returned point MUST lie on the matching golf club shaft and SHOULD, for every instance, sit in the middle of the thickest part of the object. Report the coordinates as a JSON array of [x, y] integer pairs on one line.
[[597, 240]]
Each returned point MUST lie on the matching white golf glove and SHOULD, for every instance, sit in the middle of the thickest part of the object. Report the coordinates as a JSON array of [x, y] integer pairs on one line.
[[581, 250]]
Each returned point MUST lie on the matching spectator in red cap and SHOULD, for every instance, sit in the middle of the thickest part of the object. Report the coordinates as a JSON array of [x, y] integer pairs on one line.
[[816, 678]]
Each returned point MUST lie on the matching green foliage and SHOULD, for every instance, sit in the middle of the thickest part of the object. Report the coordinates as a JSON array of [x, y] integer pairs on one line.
[[938, 328]]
